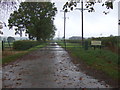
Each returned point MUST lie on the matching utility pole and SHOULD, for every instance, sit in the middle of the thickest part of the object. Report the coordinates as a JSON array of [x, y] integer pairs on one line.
[[64, 28], [82, 9], [82, 21]]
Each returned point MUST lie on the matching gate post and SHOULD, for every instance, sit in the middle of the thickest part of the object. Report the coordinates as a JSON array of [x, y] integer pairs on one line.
[[2, 45]]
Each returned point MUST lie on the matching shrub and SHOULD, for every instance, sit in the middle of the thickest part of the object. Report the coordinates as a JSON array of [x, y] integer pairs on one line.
[[73, 41], [24, 44], [110, 41]]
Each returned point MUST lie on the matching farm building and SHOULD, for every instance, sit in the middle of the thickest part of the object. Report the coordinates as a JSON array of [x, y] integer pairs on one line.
[[75, 38]]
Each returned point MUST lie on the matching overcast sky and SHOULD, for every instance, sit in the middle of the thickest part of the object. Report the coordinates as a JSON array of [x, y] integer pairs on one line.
[[95, 24]]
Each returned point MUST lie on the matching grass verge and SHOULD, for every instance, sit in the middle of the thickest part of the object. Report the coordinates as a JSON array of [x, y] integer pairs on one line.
[[99, 59], [13, 57]]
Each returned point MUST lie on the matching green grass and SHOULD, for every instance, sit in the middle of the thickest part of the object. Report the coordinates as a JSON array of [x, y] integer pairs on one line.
[[119, 45], [99, 59], [36, 47], [11, 58], [7, 45]]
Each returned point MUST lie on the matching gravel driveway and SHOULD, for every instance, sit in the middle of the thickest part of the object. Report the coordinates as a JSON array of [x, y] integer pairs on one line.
[[48, 67]]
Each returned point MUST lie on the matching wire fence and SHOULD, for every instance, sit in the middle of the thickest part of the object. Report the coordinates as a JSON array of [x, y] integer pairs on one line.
[[6, 45]]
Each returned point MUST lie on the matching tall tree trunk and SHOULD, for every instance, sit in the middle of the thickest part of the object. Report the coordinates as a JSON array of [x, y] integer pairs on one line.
[[38, 39], [30, 37]]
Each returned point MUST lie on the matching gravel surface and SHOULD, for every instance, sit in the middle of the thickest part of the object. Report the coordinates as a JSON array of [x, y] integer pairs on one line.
[[49, 67]]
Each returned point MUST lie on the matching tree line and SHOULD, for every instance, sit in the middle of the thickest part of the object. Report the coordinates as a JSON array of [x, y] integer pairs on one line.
[[36, 18]]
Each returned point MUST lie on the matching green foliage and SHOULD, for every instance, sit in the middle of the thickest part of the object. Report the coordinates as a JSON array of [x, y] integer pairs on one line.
[[99, 59], [14, 57], [89, 4], [110, 41], [73, 41], [24, 44], [36, 18]]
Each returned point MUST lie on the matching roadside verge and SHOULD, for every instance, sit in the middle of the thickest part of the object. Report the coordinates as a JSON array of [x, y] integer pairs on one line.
[[101, 64], [14, 57]]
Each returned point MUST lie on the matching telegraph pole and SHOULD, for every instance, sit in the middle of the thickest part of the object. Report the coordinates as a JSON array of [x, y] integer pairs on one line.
[[82, 9], [64, 28], [82, 21]]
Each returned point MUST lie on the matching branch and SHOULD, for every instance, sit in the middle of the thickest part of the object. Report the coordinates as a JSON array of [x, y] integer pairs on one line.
[[89, 5]]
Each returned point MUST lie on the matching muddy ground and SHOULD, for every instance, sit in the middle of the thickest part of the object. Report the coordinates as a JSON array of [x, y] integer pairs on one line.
[[49, 67]]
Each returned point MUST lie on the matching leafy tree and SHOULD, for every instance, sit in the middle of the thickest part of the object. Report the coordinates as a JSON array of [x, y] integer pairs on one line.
[[89, 4], [10, 39], [9, 4], [6, 6], [36, 18], [1, 26]]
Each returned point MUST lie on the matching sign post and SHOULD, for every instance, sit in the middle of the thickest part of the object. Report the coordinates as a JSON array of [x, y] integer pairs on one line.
[[96, 43]]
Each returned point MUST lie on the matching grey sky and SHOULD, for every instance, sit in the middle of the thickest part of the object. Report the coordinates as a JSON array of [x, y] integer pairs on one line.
[[95, 23]]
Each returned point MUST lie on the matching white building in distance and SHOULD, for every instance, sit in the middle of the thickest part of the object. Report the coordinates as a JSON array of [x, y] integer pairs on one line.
[[75, 38]]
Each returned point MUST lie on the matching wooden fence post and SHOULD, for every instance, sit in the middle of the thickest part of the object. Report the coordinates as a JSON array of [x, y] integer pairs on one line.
[[2, 46]]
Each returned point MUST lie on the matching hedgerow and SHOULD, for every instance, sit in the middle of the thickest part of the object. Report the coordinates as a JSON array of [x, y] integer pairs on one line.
[[24, 44]]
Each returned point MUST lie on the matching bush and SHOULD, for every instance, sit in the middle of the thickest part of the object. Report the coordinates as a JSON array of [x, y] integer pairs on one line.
[[110, 41], [24, 44], [73, 41]]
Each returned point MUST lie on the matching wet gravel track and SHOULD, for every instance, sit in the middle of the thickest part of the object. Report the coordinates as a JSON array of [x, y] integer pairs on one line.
[[49, 67]]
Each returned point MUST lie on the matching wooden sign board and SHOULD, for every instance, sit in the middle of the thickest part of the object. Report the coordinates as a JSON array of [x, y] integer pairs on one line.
[[96, 43]]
